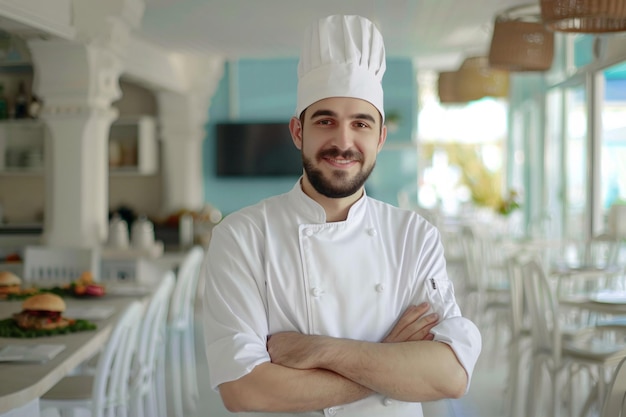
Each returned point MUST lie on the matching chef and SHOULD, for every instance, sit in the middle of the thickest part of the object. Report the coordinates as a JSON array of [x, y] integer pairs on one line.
[[323, 300]]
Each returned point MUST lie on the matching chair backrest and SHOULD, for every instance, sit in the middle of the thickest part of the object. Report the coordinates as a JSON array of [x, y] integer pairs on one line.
[[48, 266], [111, 389], [152, 333], [542, 309], [182, 303], [514, 266], [474, 258], [601, 250], [615, 400]]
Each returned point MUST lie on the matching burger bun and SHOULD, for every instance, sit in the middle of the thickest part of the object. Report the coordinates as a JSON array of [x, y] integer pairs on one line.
[[9, 283], [8, 278], [44, 302]]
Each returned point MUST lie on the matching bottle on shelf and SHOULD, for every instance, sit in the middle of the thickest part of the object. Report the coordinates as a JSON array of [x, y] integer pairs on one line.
[[34, 107], [4, 105], [21, 102]]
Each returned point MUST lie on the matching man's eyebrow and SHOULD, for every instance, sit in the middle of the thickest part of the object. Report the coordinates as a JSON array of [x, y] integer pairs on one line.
[[363, 116], [324, 113]]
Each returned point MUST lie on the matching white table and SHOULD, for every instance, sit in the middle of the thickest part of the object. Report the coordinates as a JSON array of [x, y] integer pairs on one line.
[[590, 304], [23, 383]]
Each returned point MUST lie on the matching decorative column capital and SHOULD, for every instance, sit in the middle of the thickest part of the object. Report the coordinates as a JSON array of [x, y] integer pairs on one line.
[[187, 112], [92, 82]]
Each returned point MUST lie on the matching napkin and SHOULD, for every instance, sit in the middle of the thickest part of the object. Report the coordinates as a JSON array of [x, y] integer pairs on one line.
[[89, 313], [29, 353]]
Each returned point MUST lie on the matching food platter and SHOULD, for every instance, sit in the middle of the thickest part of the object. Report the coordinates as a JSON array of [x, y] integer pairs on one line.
[[60, 291], [9, 328]]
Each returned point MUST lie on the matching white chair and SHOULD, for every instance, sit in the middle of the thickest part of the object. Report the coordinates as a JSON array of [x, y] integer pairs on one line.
[[559, 354], [486, 291], [615, 400], [518, 349], [149, 361], [183, 384], [107, 392], [48, 266]]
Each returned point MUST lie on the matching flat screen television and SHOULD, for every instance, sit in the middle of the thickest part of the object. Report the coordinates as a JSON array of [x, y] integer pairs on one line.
[[256, 149]]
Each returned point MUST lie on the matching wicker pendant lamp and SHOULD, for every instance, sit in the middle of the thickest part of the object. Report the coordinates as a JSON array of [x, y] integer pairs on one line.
[[447, 87], [477, 80], [520, 41], [584, 16]]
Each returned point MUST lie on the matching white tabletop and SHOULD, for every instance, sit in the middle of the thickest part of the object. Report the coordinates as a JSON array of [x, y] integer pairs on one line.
[[23, 382], [591, 303]]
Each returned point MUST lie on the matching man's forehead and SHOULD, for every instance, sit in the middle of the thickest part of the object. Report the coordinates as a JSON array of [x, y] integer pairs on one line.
[[342, 106]]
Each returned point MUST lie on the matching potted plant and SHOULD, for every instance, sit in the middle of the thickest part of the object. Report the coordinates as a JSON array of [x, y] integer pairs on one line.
[[392, 120]]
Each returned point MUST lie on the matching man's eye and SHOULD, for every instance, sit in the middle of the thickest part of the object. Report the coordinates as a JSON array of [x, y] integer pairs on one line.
[[324, 122], [360, 124]]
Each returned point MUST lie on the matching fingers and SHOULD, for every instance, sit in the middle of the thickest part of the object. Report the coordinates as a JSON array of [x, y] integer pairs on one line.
[[409, 316], [413, 325], [420, 330]]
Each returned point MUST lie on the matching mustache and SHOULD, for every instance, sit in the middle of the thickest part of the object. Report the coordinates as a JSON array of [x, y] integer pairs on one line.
[[336, 153]]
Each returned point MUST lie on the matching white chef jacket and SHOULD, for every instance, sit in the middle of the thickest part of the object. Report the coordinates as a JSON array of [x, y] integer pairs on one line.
[[279, 266]]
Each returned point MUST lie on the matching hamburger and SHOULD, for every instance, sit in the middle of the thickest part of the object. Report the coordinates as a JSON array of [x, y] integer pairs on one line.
[[42, 312], [9, 283]]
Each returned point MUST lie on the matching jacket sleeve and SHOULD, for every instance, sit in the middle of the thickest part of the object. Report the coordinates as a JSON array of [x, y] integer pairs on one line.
[[234, 318], [460, 333]]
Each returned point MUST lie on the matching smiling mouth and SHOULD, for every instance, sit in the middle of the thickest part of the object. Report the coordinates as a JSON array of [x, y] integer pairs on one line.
[[340, 164], [341, 159]]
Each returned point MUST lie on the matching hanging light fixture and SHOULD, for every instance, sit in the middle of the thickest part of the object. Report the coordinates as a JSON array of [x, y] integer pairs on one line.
[[447, 87], [584, 16], [520, 41], [477, 80]]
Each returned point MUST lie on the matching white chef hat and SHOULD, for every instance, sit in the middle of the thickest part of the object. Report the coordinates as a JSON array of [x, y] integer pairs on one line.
[[342, 56]]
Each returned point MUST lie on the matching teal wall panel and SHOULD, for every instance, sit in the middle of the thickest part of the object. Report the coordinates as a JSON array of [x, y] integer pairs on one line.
[[265, 90]]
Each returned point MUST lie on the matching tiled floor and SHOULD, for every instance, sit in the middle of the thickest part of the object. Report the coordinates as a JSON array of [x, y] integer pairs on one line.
[[487, 396]]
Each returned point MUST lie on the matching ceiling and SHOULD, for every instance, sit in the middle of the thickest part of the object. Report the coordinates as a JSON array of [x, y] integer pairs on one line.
[[437, 34]]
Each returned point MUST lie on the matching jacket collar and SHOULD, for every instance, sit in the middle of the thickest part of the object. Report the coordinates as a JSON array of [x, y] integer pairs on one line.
[[313, 212]]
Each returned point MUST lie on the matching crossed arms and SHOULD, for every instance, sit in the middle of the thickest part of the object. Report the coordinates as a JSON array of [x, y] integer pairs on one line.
[[310, 372]]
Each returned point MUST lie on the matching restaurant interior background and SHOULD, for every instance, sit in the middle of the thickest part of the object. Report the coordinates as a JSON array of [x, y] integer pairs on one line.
[[552, 143], [105, 109]]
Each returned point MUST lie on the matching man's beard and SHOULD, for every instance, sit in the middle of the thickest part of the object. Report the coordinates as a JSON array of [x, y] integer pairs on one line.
[[339, 185]]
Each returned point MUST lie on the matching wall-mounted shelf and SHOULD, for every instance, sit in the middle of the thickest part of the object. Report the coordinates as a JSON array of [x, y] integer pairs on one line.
[[21, 146], [133, 146]]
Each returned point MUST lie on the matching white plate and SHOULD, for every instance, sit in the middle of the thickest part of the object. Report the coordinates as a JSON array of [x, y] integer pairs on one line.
[[29, 353], [610, 297]]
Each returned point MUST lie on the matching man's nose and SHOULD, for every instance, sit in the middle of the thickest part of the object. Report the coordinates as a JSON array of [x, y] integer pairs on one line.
[[344, 138]]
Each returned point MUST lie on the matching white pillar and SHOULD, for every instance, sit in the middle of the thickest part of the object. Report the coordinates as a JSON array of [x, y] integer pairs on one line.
[[77, 112], [78, 81], [183, 117], [77, 178], [182, 163]]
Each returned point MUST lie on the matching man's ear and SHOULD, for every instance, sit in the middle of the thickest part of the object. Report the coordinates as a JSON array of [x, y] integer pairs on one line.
[[382, 138], [295, 127]]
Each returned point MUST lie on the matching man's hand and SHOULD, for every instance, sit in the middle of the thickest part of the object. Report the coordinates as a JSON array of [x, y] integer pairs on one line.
[[301, 351], [294, 350], [413, 326]]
